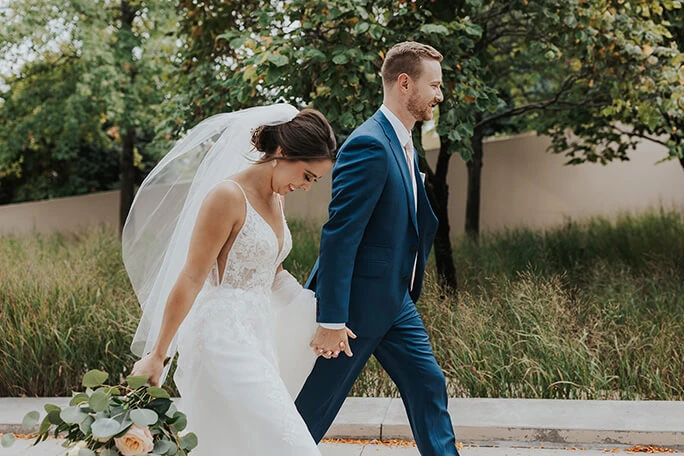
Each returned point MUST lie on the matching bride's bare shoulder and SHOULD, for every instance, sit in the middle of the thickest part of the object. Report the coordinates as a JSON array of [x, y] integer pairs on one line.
[[226, 199]]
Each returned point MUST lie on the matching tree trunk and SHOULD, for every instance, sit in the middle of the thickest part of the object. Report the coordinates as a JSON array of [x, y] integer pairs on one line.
[[472, 222], [128, 174], [438, 194], [127, 170], [443, 254]]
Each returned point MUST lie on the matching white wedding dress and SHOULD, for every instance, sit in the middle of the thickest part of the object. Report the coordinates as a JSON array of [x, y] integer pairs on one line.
[[244, 353]]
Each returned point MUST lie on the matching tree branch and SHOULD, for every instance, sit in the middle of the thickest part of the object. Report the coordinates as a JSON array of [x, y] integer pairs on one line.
[[638, 135], [565, 86]]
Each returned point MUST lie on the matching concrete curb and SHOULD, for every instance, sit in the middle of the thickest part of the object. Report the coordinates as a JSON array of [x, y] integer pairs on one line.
[[658, 423]]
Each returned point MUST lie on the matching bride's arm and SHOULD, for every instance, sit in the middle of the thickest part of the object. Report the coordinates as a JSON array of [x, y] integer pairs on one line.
[[217, 218]]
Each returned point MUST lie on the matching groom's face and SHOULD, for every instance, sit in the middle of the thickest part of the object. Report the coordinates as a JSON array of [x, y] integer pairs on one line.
[[426, 91]]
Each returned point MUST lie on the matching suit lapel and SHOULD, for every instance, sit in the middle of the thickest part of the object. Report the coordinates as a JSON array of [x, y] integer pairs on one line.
[[420, 186], [398, 153]]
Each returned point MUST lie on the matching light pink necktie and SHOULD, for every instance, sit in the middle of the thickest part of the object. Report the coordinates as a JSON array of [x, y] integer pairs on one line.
[[408, 150]]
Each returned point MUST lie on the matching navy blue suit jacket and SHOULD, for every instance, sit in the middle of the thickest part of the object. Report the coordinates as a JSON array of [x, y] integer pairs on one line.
[[373, 233]]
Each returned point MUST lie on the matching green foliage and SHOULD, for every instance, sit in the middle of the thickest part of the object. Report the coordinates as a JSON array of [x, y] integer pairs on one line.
[[88, 76], [504, 61], [629, 83], [7, 440], [324, 54], [53, 141]]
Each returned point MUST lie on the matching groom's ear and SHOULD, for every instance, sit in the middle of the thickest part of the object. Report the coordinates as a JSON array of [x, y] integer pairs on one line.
[[403, 81]]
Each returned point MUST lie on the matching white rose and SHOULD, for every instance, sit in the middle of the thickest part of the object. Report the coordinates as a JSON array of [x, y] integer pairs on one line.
[[136, 442], [73, 450]]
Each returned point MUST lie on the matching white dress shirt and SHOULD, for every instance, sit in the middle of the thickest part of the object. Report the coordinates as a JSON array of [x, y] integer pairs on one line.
[[405, 139]]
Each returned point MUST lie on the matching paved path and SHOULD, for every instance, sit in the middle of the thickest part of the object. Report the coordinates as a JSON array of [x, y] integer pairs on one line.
[[562, 422], [500, 427], [54, 448]]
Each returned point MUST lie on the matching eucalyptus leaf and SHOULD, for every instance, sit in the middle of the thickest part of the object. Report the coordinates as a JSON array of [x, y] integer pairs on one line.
[[188, 441], [45, 425], [99, 401], [159, 405], [162, 446], [30, 420], [180, 421], [79, 399], [86, 424], [94, 378], [136, 381], [86, 452], [105, 428], [117, 410], [54, 417], [144, 417], [7, 440], [73, 415], [157, 392], [108, 452], [52, 407]]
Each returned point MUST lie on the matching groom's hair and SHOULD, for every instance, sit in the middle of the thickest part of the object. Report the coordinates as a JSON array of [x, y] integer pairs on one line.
[[406, 58]]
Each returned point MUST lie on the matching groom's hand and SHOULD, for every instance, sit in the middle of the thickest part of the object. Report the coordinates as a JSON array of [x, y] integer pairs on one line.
[[329, 343]]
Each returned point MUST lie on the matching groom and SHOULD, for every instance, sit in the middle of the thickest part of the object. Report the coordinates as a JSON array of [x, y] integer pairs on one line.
[[372, 259]]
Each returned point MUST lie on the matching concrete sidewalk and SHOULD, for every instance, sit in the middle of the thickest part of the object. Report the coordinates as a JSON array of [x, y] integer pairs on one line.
[[527, 422], [54, 448]]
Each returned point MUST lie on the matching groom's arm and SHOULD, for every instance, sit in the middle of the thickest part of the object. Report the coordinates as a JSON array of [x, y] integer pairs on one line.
[[357, 183]]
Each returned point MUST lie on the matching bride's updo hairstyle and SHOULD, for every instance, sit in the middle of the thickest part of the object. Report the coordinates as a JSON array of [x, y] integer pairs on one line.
[[307, 137]]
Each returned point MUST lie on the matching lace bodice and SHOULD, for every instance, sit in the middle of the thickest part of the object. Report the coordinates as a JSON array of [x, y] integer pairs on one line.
[[254, 256]]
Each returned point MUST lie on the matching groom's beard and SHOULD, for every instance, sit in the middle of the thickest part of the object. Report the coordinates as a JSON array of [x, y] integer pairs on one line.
[[420, 110]]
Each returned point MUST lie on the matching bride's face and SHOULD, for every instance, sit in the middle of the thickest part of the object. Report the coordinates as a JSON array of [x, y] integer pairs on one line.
[[289, 176]]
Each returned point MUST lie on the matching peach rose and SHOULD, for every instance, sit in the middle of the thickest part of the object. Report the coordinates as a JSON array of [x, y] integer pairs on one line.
[[136, 442]]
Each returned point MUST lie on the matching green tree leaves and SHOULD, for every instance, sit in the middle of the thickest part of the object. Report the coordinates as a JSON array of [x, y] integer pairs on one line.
[[85, 83]]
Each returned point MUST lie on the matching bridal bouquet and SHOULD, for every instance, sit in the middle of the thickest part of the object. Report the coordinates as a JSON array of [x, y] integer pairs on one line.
[[124, 420]]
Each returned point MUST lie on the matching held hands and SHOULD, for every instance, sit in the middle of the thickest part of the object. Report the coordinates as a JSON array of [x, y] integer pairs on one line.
[[329, 343], [150, 365]]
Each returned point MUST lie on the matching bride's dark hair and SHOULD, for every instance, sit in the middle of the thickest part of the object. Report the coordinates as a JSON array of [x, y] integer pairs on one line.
[[307, 137]]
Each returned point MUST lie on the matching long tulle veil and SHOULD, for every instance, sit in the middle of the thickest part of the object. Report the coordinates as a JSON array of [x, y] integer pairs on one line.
[[157, 232]]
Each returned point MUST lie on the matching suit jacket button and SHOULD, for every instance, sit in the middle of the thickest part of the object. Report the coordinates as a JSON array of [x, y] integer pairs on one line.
[[413, 250], [406, 280]]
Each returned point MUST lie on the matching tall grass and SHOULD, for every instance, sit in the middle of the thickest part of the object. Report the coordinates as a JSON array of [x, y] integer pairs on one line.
[[591, 310], [65, 307]]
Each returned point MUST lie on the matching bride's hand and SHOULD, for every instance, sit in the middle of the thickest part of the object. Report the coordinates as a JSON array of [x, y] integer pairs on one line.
[[329, 343], [150, 365]]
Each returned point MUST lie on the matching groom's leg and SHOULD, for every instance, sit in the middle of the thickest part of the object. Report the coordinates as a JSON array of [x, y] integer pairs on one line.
[[406, 355], [327, 386]]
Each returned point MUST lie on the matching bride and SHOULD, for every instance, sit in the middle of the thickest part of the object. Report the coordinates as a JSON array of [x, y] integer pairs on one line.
[[203, 246]]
